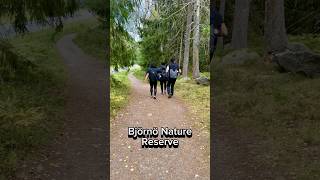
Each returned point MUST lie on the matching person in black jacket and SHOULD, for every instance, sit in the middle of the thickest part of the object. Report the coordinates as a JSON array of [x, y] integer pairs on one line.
[[152, 74], [215, 29]]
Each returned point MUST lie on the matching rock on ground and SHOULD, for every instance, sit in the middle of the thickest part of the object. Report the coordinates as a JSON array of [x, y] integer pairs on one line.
[[299, 59], [202, 81]]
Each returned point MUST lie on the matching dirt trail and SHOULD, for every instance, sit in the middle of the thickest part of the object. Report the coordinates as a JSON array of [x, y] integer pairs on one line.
[[81, 152], [130, 161]]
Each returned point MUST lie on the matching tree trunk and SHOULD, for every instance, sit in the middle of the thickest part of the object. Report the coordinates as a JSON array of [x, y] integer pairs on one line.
[[221, 11], [196, 41], [181, 50], [275, 30], [240, 24], [187, 40]]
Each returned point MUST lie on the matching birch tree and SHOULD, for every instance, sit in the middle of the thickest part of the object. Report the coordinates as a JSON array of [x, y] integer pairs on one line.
[[187, 40], [196, 40]]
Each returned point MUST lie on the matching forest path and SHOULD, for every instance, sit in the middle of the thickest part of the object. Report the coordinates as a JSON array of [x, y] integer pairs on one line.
[[129, 161], [81, 151]]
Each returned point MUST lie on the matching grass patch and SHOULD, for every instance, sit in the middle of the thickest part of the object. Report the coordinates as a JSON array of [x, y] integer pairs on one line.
[[93, 41], [281, 109], [310, 40], [32, 101], [119, 92], [138, 73], [198, 99]]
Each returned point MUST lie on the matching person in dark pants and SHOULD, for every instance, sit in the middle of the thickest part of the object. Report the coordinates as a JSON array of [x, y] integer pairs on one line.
[[173, 72], [163, 78], [215, 30], [152, 74]]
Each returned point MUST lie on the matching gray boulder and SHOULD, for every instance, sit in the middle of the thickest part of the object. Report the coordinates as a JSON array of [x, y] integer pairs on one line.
[[202, 81], [298, 47], [299, 59], [239, 57]]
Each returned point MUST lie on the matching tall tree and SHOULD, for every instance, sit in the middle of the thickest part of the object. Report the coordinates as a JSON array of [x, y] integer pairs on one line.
[[196, 40], [187, 40], [275, 31], [240, 24], [180, 49]]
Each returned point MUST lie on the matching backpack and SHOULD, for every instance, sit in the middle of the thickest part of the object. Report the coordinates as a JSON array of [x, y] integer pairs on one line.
[[173, 72], [153, 76], [163, 74]]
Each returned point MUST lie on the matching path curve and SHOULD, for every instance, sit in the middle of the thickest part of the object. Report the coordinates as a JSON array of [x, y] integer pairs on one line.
[[81, 152], [130, 161]]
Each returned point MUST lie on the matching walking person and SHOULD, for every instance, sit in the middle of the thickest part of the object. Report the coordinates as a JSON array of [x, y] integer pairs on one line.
[[173, 72], [215, 30], [163, 78], [152, 74]]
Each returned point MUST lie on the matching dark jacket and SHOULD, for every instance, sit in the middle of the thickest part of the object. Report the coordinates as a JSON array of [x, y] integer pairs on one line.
[[215, 20], [153, 74]]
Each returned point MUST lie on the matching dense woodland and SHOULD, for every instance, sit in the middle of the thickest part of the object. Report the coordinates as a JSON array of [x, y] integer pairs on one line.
[[167, 29], [267, 20]]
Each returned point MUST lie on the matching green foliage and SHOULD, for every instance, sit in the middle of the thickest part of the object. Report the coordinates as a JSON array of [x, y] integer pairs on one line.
[[122, 44], [153, 43], [100, 8], [119, 92], [92, 41], [164, 29], [310, 40], [122, 48], [40, 11], [161, 32], [30, 103], [12, 63], [123, 52]]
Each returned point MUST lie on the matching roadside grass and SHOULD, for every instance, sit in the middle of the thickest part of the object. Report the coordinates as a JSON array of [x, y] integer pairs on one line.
[[138, 73], [92, 41], [310, 40], [197, 97], [279, 109], [119, 92], [32, 101]]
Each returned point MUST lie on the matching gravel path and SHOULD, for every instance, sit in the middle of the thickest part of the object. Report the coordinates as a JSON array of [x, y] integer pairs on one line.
[[130, 161]]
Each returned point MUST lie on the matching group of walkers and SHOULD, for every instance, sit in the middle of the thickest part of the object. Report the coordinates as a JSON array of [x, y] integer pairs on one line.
[[166, 74]]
